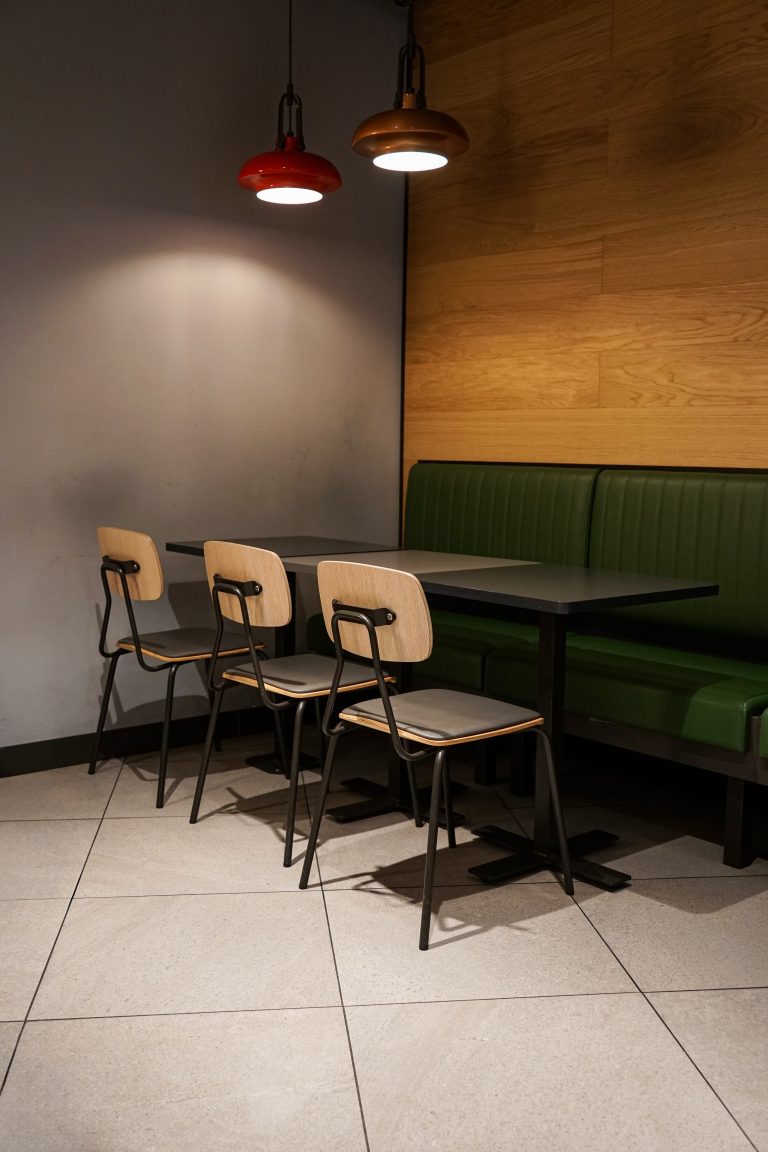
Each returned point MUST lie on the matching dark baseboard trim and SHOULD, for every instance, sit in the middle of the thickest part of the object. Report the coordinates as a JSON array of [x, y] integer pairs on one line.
[[17, 759]]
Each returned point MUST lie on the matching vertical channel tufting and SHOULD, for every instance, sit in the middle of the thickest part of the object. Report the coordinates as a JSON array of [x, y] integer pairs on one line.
[[695, 525], [528, 512]]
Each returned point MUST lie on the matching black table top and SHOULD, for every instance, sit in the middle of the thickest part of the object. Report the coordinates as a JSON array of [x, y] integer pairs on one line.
[[413, 560], [284, 545], [559, 589]]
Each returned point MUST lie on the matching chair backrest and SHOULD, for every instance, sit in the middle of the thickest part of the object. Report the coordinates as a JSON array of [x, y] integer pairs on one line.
[[408, 639], [271, 608], [123, 544]]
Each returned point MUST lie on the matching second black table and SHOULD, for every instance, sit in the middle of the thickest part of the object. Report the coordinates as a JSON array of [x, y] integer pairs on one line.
[[558, 594]]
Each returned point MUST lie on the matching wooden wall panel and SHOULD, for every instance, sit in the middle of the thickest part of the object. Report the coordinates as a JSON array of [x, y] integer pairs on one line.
[[590, 281], [730, 249]]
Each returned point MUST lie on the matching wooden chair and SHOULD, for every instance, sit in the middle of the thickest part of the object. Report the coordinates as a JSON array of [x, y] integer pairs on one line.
[[131, 569], [382, 614], [249, 585]]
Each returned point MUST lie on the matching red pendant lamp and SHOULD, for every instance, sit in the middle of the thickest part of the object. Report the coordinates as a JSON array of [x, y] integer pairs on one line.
[[289, 174], [410, 137]]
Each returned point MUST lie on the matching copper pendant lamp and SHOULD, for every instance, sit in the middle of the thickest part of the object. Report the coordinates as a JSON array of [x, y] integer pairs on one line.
[[288, 174], [410, 137]]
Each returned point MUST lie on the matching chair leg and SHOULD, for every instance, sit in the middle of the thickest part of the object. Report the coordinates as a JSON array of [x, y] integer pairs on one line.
[[211, 696], [218, 696], [281, 744], [290, 822], [103, 711], [429, 867], [448, 804], [557, 811], [319, 722], [415, 805], [166, 734], [312, 842]]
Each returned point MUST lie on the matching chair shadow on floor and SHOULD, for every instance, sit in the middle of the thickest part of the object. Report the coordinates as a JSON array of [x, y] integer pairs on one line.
[[400, 881]]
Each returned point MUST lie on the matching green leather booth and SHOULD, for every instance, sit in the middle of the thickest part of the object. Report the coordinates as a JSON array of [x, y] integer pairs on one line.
[[687, 681]]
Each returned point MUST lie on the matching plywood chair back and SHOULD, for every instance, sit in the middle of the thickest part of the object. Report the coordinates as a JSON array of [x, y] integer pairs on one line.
[[271, 608], [408, 639], [123, 544]]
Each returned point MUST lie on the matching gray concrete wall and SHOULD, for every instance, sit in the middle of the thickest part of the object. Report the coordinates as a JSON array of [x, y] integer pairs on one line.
[[176, 356]]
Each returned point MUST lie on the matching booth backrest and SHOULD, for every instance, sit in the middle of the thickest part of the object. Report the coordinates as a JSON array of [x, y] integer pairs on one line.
[[695, 525], [529, 512]]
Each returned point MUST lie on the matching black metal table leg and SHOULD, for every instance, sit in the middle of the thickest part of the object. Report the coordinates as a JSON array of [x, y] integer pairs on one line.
[[537, 855]]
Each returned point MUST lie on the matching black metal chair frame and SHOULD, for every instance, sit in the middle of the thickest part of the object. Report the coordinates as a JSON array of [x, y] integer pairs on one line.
[[122, 569], [370, 619], [241, 590]]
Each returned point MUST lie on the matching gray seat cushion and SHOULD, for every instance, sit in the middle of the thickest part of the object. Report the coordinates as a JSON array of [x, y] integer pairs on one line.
[[307, 674], [441, 716], [184, 643]]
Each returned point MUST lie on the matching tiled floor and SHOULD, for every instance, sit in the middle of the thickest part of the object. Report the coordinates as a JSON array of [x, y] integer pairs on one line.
[[166, 988]]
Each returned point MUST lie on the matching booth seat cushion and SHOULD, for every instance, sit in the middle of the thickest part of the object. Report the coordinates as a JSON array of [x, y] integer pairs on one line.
[[461, 644], [674, 692], [524, 511]]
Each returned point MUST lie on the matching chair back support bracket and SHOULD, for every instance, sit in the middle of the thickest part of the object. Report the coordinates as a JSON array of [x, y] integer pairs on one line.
[[379, 617], [370, 619], [122, 569], [245, 587], [241, 590]]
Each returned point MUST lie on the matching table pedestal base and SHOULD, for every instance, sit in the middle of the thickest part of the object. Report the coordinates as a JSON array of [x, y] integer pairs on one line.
[[382, 801], [270, 762], [526, 859]]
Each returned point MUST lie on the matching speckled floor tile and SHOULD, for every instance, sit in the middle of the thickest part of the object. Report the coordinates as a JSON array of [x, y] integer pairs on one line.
[[149, 954], [686, 934], [544, 1075], [222, 1083], [513, 940], [60, 794], [725, 1032], [234, 853], [27, 931], [8, 1036], [43, 858], [231, 784]]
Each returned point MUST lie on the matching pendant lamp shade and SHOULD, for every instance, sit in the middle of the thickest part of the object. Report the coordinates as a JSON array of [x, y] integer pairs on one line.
[[288, 174], [410, 137]]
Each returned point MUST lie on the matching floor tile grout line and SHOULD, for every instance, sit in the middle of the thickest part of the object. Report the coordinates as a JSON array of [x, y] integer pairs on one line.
[[184, 1012], [706, 1080], [331, 886], [650, 1004], [58, 934], [50, 819], [343, 1009], [385, 1004]]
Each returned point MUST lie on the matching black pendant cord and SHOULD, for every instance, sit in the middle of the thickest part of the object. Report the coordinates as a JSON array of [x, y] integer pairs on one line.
[[290, 46], [290, 100], [408, 53]]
